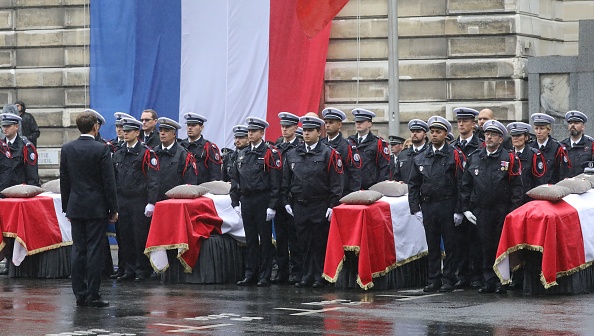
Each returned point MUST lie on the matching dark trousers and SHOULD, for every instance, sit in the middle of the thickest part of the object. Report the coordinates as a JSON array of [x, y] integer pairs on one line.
[[135, 226], [470, 261], [286, 245], [258, 236], [438, 221], [489, 222], [312, 229], [88, 244], [121, 255]]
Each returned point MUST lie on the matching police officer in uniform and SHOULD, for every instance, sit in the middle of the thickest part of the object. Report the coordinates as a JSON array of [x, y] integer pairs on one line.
[[433, 197], [553, 151], [299, 133], [375, 156], [240, 137], [579, 146], [312, 186], [396, 145], [21, 153], [255, 191], [176, 165], [470, 259], [137, 182], [347, 149], [533, 162], [491, 188], [287, 253], [206, 153], [119, 141], [418, 134], [101, 122]]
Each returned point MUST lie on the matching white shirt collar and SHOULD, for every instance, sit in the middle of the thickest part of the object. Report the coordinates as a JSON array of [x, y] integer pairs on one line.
[[134, 145], [290, 141], [544, 143], [168, 147], [256, 146], [519, 151], [337, 134], [84, 135], [312, 147], [440, 148], [574, 142], [362, 137]]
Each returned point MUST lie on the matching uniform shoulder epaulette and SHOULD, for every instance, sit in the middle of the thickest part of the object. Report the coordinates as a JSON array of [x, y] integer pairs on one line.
[[535, 150], [474, 152]]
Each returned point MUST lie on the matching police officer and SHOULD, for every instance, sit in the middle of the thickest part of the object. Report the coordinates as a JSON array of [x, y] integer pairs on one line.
[[119, 141], [470, 259], [396, 146], [418, 135], [433, 197], [101, 122], [287, 254], [206, 153], [491, 188], [240, 138], [347, 149], [22, 154], [255, 191], [312, 186], [579, 146], [299, 133], [176, 165], [373, 150], [553, 151], [533, 162], [137, 184]]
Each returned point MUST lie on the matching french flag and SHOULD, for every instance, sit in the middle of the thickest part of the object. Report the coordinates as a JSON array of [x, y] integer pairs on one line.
[[224, 59]]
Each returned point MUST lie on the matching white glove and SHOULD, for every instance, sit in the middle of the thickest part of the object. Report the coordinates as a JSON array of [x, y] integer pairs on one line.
[[289, 210], [328, 214], [149, 209], [470, 216], [238, 211], [270, 214], [458, 218], [419, 216]]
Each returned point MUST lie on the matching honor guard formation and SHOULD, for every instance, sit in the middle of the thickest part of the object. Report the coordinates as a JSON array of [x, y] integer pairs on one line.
[[461, 188]]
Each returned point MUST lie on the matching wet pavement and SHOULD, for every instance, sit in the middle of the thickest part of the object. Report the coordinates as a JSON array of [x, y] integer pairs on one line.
[[40, 307]]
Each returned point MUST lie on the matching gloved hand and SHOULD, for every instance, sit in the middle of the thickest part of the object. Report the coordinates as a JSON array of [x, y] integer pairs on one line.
[[419, 216], [328, 214], [470, 216], [149, 209], [238, 210], [270, 214], [458, 218], [289, 210]]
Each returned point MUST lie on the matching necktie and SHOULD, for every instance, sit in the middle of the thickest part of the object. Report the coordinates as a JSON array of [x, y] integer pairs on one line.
[[463, 143], [542, 147], [360, 140], [308, 149]]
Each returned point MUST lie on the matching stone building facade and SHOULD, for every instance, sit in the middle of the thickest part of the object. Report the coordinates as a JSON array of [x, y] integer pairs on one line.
[[452, 53]]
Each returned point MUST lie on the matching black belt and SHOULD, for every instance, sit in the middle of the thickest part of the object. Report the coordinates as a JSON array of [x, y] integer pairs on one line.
[[427, 199], [254, 192]]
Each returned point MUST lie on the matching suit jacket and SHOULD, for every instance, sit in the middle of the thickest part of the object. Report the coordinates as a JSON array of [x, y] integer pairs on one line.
[[87, 181]]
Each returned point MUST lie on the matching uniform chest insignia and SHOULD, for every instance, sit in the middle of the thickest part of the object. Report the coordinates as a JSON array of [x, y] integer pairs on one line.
[[32, 156], [8, 155], [386, 150], [278, 163], [274, 150], [476, 172], [293, 166], [339, 163], [565, 159], [504, 165], [356, 157], [154, 161], [540, 165], [216, 156], [421, 168], [401, 163]]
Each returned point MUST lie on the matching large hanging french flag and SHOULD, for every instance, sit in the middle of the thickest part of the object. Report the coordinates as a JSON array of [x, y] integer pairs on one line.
[[224, 59]]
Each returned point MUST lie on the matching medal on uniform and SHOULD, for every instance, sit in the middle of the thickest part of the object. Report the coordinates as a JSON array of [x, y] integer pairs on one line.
[[386, 150], [476, 172], [421, 168], [339, 163], [540, 165], [504, 165], [293, 166], [356, 157], [401, 163]]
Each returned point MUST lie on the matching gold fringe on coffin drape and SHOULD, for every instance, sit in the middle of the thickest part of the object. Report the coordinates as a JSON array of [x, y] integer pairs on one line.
[[32, 252], [535, 248], [181, 249]]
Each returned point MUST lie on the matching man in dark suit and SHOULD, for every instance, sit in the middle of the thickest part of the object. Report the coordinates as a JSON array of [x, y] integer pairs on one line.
[[87, 185]]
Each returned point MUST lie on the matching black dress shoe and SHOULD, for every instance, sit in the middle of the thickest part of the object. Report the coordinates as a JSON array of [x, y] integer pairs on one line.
[[140, 278], [281, 280], [515, 285], [319, 284], [126, 277], [461, 284], [302, 284], [432, 287], [98, 303], [263, 283], [293, 279], [116, 275], [488, 288], [446, 288], [81, 303], [500, 289], [476, 284], [155, 276], [246, 282]]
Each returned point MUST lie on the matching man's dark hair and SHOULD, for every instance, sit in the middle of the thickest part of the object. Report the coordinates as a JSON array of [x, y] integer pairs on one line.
[[85, 122], [152, 112]]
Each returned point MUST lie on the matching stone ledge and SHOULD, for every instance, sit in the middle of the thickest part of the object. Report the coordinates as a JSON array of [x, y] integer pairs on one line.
[[481, 25], [366, 28], [491, 68], [370, 49], [512, 89], [347, 71]]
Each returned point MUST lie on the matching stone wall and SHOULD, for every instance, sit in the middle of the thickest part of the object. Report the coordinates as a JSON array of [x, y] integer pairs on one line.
[[452, 53]]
